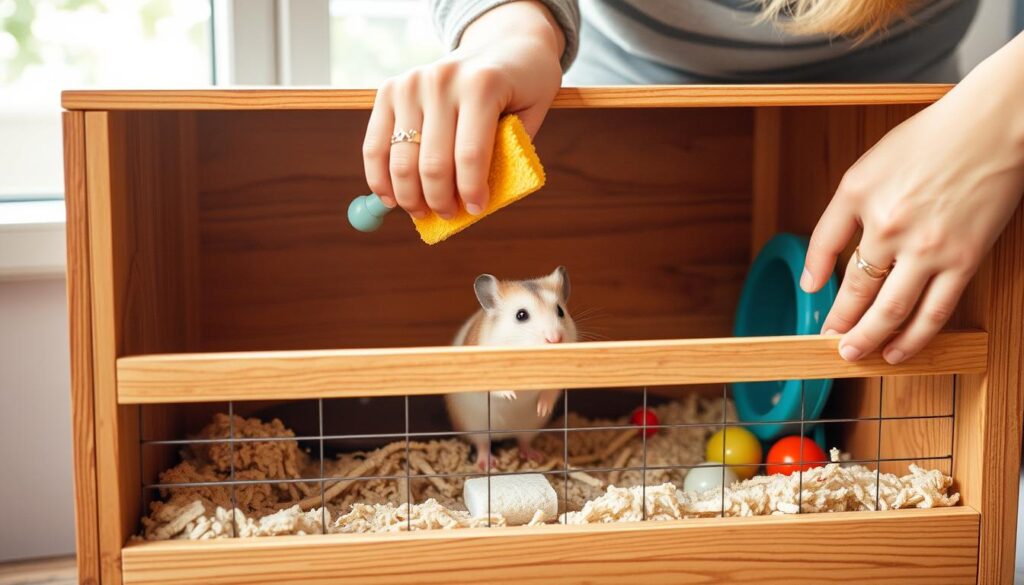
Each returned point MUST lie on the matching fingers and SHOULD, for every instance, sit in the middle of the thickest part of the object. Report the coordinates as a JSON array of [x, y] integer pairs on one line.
[[474, 144], [404, 159], [890, 309], [834, 230], [377, 144], [857, 291], [934, 311], [437, 166]]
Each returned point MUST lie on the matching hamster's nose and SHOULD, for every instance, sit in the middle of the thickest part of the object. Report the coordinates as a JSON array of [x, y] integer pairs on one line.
[[553, 337]]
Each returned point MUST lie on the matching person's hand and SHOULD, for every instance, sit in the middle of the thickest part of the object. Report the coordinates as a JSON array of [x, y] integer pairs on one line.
[[507, 62], [932, 197]]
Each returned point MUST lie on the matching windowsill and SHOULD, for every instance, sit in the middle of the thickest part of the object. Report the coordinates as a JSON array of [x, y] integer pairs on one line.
[[32, 240]]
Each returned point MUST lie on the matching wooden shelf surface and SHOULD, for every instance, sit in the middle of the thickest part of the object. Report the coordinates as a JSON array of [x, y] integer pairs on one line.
[[641, 96], [904, 546], [208, 377]]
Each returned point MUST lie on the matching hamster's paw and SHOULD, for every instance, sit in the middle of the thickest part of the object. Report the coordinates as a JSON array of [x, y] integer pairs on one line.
[[483, 461], [546, 403], [528, 453], [507, 394], [544, 407]]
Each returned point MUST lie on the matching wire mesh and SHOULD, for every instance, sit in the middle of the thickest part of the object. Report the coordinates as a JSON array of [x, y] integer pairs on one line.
[[566, 469]]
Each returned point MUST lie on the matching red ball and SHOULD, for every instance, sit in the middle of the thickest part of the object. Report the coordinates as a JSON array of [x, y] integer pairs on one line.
[[784, 456], [640, 415]]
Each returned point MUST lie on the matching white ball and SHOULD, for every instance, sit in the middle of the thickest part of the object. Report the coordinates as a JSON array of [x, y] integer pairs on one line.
[[707, 476]]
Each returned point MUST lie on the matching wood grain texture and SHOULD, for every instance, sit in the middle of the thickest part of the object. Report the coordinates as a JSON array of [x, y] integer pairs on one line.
[[662, 96], [143, 271], [112, 480], [80, 336], [989, 406], [902, 396], [765, 213], [157, 234], [205, 377], [820, 145], [282, 269], [851, 547]]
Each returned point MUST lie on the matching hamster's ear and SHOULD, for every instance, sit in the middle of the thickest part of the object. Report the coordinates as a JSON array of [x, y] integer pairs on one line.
[[560, 280], [486, 287]]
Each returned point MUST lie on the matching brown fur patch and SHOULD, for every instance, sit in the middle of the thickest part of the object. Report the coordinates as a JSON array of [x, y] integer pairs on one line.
[[476, 324], [509, 287]]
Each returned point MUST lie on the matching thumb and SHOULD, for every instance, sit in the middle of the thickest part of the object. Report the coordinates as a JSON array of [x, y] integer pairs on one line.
[[533, 117], [834, 230]]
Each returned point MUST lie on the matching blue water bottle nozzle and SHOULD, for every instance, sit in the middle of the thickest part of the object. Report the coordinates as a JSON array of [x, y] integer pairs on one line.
[[366, 212]]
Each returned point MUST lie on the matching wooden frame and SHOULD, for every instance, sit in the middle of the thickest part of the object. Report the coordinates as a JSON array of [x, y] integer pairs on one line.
[[135, 269], [665, 96], [213, 377], [885, 547]]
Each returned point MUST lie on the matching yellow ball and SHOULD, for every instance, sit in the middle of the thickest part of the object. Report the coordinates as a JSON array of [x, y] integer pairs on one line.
[[742, 450]]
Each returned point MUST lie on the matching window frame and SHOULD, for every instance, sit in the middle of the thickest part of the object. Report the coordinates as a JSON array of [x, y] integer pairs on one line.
[[272, 42], [254, 42]]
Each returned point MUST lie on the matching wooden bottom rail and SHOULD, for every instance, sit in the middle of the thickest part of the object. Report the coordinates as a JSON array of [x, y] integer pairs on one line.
[[904, 547]]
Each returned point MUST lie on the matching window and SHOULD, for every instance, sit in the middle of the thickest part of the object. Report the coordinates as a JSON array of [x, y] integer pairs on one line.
[[372, 40], [50, 45]]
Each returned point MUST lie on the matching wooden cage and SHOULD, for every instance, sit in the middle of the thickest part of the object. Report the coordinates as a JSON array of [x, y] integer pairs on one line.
[[210, 260]]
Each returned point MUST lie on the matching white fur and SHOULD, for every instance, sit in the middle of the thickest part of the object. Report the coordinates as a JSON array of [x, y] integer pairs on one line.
[[513, 410]]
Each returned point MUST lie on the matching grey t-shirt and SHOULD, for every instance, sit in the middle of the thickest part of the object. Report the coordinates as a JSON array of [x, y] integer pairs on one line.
[[720, 41]]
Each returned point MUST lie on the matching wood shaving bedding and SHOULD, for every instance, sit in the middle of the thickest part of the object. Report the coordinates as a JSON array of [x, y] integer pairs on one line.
[[832, 488], [379, 505]]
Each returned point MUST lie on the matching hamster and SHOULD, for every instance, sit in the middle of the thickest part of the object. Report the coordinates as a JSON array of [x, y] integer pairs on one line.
[[515, 313]]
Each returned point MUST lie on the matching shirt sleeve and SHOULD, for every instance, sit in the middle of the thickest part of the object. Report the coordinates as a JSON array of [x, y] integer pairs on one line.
[[451, 17]]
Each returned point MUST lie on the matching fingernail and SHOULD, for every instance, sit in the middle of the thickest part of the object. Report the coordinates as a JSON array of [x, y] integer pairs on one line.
[[806, 281], [447, 215], [894, 356], [849, 353], [831, 332], [418, 214], [388, 201], [473, 209]]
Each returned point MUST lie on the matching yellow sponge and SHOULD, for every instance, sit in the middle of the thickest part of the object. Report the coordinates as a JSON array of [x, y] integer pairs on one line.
[[515, 173]]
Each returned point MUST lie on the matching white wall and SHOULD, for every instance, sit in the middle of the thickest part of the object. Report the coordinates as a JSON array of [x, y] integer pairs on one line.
[[36, 496]]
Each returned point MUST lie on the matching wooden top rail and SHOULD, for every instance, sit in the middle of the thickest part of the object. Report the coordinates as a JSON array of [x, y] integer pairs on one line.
[[209, 377], [639, 96]]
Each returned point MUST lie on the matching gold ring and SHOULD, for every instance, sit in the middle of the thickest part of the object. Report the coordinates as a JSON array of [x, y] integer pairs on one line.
[[411, 136], [869, 269]]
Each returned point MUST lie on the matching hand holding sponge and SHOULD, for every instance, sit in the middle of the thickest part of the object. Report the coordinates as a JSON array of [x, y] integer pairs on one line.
[[515, 172]]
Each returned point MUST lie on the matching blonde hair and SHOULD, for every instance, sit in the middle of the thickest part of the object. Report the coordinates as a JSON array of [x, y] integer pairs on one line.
[[849, 18]]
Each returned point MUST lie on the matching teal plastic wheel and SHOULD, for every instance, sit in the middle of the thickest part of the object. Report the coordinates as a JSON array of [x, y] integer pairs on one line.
[[772, 303]]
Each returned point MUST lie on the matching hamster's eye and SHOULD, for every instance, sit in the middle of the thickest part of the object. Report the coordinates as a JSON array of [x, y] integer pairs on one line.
[[561, 313], [522, 315]]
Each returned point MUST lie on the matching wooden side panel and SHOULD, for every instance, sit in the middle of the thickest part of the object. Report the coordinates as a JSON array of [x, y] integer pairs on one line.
[[143, 275], [105, 204], [80, 325], [819, 144], [158, 231], [905, 547], [989, 406], [920, 410], [767, 143], [656, 236]]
